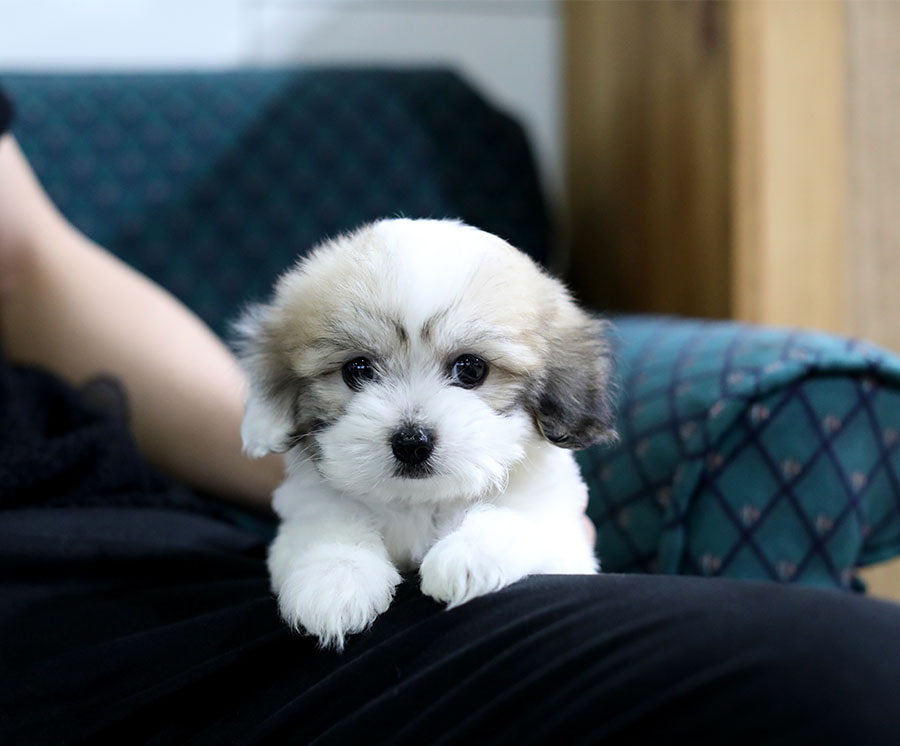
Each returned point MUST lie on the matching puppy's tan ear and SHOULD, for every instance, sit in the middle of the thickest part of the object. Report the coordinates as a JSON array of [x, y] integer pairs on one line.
[[573, 403], [268, 423]]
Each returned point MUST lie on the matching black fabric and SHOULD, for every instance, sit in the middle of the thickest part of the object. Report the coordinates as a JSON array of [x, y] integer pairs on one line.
[[6, 112], [132, 612], [136, 626], [61, 447]]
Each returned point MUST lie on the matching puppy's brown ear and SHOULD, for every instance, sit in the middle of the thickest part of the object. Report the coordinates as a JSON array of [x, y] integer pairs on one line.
[[573, 403], [268, 423]]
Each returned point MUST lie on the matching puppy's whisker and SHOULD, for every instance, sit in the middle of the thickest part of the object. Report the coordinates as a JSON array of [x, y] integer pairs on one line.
[[298, 439]]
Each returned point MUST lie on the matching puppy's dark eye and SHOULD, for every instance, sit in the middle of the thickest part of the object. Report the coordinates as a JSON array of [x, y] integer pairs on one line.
[[357, 371], [469, 371]]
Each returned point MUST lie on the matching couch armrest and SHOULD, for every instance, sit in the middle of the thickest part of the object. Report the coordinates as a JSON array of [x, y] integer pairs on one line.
[[749, 452]]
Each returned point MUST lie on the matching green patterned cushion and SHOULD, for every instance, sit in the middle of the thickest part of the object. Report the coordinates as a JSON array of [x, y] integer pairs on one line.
[[749, 452], [746, 451], [212, 183]]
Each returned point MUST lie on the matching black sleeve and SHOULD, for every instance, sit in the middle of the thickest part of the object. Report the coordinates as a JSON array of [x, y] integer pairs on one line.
[[6, 112]]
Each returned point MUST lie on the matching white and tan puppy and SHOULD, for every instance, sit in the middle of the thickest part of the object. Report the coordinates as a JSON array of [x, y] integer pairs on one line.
[[425, 379]]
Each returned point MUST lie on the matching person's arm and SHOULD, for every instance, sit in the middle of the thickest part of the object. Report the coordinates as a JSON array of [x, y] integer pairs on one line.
[[76, 310]]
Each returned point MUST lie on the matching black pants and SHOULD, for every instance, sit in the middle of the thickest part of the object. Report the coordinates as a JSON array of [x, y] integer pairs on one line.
[[131, 612], [144, 625]]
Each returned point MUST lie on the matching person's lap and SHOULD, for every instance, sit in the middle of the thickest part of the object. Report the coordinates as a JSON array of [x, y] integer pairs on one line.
[[141, 624], [133, 612]]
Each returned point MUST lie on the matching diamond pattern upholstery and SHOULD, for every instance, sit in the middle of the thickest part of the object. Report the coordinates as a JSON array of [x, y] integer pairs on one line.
[[749, 452]]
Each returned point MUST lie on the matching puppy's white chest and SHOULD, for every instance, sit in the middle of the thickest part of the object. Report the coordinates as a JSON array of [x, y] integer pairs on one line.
[[409, 531]]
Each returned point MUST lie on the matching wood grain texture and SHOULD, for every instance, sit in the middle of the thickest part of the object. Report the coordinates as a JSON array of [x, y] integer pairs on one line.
[[873, 90], [648, 166], [706, 158], [789, 196]]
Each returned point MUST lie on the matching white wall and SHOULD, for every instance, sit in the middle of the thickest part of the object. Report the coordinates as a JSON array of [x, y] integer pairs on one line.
[[511, 49]]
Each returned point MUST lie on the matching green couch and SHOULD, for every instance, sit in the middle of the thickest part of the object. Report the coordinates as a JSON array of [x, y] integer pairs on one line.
[[745, 451]]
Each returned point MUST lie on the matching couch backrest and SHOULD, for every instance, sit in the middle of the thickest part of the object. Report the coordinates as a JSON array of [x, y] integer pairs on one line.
[[212, 183]]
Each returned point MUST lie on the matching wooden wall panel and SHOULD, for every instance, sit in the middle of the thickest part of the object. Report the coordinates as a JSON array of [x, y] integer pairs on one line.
[[873, 239], [706, 146], [789, 192], [648, 164]]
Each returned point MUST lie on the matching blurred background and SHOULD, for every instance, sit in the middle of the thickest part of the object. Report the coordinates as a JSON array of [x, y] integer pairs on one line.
[[511, 49], [739, 158], [705, 158]]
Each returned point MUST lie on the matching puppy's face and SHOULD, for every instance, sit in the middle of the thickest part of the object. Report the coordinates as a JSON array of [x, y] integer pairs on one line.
[[415, 359]]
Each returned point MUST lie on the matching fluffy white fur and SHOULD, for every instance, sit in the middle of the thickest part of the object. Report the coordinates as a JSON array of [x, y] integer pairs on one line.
[[500, 500]]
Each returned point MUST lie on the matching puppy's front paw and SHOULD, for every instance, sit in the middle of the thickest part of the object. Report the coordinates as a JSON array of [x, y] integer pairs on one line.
[[335, 590], [460, 567]]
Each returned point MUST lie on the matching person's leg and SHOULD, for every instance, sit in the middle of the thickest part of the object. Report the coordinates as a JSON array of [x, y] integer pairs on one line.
[[157, 626], [610, 659]]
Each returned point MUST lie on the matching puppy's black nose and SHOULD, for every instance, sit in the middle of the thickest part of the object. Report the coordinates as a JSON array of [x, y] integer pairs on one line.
[[412, 445]]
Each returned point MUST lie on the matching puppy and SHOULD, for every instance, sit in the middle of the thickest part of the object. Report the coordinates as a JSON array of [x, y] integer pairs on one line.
[[426, 381]]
